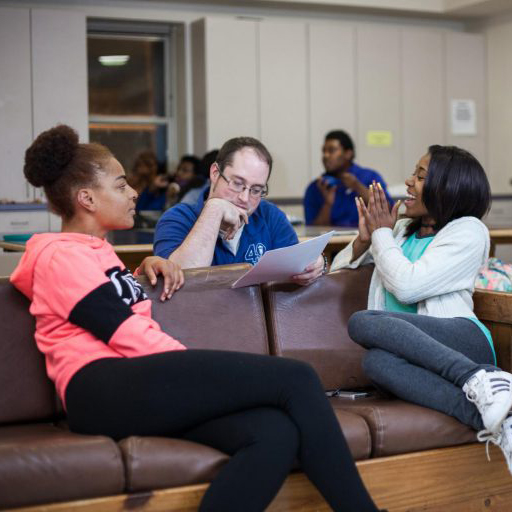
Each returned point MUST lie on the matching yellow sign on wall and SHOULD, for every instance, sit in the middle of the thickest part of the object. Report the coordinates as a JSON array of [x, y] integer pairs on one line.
[[379, 139]]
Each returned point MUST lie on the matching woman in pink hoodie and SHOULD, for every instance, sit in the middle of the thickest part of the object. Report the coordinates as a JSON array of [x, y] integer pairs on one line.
[[118, 374]]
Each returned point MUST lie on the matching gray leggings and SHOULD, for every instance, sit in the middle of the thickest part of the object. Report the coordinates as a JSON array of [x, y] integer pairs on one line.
[[423, 359]]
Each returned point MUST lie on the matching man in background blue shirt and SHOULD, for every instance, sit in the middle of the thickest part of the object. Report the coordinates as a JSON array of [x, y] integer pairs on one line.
[[330, 200], [230, 223]]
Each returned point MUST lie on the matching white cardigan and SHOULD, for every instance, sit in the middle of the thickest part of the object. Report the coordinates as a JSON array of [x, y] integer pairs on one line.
[[441, 281]]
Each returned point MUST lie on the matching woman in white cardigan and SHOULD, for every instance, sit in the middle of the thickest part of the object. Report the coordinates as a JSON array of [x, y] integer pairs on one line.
[[424, 342]]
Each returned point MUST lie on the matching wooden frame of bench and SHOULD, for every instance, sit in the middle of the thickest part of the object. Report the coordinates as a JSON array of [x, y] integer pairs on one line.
[[454, 479]]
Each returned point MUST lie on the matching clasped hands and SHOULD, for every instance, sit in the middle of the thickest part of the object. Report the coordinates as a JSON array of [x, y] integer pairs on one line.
[[377, 214]]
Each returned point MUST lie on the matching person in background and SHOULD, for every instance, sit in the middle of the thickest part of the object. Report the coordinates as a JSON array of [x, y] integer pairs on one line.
[[193, 194], [188, 177], [118, 374], [231, 222], [148, 183], [424, 342], [329, 200]]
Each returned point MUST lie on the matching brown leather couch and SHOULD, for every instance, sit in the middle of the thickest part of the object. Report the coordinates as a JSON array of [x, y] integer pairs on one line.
[[397, 444]]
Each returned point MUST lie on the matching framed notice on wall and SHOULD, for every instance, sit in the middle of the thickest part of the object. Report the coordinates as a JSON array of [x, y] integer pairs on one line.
[[463, 117]]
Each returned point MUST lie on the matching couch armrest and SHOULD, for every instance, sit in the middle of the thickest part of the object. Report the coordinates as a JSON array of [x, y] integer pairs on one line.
[[494, 309]]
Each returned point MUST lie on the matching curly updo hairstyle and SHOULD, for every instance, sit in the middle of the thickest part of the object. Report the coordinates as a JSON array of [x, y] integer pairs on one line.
[[60, 164]]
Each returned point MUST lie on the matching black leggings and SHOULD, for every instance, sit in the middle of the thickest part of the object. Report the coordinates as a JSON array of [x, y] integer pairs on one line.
[[263, 411]]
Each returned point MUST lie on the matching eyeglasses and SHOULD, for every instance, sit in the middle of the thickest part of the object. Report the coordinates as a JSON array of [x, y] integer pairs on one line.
[[239, 187]]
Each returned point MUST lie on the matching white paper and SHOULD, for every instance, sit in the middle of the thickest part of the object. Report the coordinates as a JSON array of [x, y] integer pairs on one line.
[[463, 117], [281, 264]]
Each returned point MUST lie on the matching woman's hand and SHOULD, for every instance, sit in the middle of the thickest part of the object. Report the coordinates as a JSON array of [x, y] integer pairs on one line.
[[363, 240], [377, 214], [152, 266], [364, 233]]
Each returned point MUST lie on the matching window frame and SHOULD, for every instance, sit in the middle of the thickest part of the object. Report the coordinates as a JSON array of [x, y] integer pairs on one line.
[[164, 32]]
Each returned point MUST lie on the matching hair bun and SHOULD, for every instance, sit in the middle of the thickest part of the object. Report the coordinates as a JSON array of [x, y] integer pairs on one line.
[[49, 155]]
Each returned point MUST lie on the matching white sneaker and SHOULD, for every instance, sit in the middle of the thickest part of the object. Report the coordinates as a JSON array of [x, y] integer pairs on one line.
[[491, 392], [503, 439]]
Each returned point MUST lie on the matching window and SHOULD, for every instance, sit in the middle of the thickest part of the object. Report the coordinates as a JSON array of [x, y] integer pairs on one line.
[[130, 90]]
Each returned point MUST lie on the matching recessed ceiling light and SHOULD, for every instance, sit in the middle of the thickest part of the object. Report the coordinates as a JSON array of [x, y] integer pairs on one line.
[[113, 60]]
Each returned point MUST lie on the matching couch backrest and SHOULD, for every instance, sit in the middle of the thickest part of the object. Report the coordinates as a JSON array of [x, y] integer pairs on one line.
[[310, 324], [206, 313], [26, 393]]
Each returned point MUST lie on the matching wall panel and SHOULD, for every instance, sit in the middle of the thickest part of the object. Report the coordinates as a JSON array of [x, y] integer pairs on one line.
[[423, 105], [285, 104], [225, 81], [499, 45], [15, 101], [466, 79], [332, 83], [59, 70], [379, 99]]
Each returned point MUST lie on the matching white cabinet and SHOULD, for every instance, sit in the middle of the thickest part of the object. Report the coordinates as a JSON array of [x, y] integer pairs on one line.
[[15, 101], [24, 221], [55, 222]]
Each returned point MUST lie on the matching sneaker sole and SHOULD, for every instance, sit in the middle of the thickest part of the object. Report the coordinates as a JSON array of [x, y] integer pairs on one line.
[[496, 425]]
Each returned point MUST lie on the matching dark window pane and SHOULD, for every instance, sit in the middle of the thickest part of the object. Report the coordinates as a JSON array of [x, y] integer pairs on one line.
[[135, 87], [128, 141]]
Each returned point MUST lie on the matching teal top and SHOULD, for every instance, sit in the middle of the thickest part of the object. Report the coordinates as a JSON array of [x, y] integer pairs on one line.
[[413, 248]]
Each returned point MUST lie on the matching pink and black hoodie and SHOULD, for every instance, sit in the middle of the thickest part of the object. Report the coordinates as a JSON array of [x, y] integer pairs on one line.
[[87, 305]]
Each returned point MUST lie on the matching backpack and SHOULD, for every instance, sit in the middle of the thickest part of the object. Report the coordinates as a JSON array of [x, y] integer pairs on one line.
[[495, 275]]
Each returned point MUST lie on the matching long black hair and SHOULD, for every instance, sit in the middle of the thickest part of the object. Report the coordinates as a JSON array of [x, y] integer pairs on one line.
[[456, 186]]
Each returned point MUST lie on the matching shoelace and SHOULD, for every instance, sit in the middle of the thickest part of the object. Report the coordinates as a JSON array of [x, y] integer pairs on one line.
[[488, 437]]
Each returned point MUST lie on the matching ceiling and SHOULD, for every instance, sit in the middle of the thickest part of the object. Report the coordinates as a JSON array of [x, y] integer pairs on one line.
[[432, 8]]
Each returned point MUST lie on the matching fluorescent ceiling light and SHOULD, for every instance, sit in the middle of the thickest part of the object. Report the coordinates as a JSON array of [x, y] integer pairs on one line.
[[114, 60]]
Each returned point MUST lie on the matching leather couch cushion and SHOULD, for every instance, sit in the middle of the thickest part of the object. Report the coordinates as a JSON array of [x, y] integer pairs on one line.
[[206, 313], [26, 393], [401, 427], [43, 464], [158, 462], [310, 323], [356, 432]]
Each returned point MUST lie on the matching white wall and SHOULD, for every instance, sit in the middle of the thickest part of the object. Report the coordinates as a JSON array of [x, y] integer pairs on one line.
[[499, 86], [15, 101], [43, 82], [387, 74], [289, 83]]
